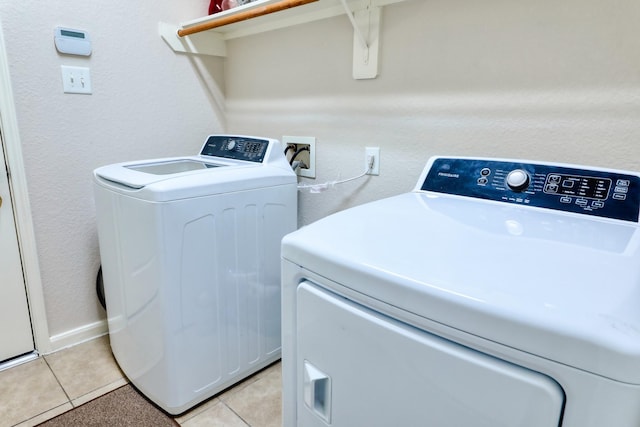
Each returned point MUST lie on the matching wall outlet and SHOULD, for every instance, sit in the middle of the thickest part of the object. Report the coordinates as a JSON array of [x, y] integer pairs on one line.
[[372, 152], [301, 149]]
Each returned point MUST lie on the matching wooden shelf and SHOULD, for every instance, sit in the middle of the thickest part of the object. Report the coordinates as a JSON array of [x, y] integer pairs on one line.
[[234, 16], [247, 20]]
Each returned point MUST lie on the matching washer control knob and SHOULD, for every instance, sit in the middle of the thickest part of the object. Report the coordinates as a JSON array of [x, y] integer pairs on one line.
[[231, 145], [518, 180]]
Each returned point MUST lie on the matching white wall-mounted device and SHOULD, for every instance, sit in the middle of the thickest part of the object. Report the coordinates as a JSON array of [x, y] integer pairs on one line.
[[72, 42]]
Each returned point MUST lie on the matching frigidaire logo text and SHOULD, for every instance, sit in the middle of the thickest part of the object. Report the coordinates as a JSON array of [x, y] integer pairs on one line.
[[449, 175]]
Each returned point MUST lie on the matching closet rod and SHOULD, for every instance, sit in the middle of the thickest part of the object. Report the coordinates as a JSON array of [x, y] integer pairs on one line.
[[244, 15]]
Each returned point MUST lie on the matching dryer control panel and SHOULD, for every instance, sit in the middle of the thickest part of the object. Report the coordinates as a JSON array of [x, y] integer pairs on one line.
[[236, 147], [598, 192]]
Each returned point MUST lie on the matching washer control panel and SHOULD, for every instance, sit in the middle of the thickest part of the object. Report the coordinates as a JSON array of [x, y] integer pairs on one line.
[[236, 147], [609, 194]]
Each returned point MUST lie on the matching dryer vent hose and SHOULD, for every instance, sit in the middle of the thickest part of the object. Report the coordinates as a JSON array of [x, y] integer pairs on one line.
[[100, 289]]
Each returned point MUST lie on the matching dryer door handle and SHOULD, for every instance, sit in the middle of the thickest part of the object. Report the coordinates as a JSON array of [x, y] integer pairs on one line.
[[317, 391]]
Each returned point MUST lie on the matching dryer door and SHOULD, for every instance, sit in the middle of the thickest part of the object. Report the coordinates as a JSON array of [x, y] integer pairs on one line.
[[356, 367]]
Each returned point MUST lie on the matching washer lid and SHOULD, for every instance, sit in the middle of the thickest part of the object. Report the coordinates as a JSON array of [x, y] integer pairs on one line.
[[226, 163], [178, 178], [559, 285], [172, 166], [139, 174]]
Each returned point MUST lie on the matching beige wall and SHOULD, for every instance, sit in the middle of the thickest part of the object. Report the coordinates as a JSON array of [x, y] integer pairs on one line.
[[146, 102], [544, 80]]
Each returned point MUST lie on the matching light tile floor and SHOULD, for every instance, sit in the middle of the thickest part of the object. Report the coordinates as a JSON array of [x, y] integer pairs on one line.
[[48, 386]]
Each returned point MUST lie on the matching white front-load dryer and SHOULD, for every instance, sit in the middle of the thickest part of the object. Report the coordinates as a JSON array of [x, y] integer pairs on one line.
[[190, 250], [498, 293]]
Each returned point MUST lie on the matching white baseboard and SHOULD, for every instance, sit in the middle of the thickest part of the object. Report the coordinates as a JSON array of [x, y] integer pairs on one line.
[[78, 335]]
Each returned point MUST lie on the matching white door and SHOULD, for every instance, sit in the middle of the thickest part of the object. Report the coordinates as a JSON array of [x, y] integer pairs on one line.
[[15, 325], [357, 367]]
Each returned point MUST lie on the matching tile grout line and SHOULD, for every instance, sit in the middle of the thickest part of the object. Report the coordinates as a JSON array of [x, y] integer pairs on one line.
[[237, 415], [57, 380], [71, 401], [42, 413], [97, 389], [54, 407]]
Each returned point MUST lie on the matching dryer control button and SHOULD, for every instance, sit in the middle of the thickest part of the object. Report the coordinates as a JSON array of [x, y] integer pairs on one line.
[[518, 180]]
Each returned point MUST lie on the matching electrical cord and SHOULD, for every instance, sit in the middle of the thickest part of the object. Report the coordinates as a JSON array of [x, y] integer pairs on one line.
[[289, 148], [297, 153], [319, 188], [295, 164]]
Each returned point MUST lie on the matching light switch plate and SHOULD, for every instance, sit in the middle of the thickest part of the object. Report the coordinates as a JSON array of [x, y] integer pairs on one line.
[[76, 79]]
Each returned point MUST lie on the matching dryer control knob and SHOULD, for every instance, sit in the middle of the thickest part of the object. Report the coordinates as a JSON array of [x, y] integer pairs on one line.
[[518, 180]]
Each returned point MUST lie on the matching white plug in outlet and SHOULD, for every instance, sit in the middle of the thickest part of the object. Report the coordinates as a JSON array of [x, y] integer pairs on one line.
[[372, 152]]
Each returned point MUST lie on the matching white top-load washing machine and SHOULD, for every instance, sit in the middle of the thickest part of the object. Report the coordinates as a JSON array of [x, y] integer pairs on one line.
[[497, 293], [190, 251]]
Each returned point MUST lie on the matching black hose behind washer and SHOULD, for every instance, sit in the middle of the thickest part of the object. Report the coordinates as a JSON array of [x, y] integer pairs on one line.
[[100, 289]]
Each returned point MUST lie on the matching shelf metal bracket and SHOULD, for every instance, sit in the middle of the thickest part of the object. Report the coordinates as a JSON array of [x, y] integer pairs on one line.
[[366, 36]]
